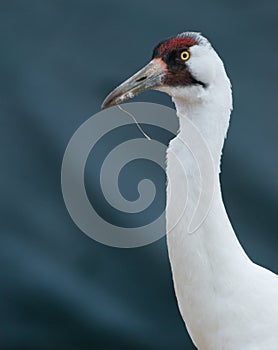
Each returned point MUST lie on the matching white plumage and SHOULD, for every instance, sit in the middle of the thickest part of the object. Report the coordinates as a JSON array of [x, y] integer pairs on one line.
[[227, 302]]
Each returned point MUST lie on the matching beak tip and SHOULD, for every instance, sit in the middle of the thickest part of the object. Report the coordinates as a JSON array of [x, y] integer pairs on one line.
[[111, 100], [108, 102], [148, 77]]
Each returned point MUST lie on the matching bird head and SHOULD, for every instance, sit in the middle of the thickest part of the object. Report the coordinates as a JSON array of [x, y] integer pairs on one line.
[[184, 65]]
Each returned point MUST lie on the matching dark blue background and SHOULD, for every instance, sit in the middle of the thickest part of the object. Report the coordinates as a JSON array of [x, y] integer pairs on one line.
[[58, 288]]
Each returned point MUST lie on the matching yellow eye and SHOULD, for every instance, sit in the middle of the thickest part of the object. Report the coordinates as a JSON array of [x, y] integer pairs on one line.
[[185, 55]]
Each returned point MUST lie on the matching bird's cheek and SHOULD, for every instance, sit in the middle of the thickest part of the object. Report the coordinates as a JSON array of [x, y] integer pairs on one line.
[[203, 69], [177, 78]]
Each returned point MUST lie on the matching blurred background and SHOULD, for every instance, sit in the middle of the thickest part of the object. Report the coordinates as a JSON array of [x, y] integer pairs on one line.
[[60, 289]]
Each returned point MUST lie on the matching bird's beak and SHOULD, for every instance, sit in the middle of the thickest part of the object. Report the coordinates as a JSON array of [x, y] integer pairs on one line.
[[147, 78]]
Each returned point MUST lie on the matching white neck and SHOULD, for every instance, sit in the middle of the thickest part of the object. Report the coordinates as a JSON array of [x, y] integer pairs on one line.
[[209, 110], [207, 263]]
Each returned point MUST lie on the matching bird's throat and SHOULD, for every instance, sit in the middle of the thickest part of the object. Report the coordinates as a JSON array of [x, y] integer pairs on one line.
[[210, 115], [209, 258]]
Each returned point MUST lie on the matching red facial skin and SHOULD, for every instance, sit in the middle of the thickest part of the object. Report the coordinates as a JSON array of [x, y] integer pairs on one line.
[[177, 72], [173, 44]]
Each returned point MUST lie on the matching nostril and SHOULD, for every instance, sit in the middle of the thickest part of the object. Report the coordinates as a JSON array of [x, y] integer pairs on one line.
[[141, 79]]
